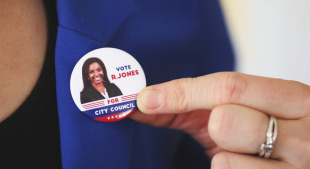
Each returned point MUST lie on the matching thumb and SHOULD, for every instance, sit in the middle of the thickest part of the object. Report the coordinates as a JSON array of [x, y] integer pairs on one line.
[[174, 97]]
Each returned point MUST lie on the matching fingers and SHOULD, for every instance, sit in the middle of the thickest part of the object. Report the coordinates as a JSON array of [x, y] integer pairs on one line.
[[238, 129], [242, 130], [194, 123], [241, 106], [161, 120], [172, 97], [286, 99], [226, 160]]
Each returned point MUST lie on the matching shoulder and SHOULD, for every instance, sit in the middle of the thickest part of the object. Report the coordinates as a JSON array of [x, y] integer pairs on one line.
[[112, 85], [88, 94], [113, 90], [25, 28], [88, 91]]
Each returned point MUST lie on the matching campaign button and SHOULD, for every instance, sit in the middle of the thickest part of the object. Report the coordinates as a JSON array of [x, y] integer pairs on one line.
[[105, 84]]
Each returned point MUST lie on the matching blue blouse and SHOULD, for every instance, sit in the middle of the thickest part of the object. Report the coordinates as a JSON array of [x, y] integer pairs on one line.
[[170, 39]]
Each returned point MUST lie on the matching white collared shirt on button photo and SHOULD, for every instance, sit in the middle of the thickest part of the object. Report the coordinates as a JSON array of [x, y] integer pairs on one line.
[[105, 94]]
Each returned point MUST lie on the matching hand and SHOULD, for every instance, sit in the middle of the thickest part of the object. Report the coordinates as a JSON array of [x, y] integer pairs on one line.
[[228, 114]]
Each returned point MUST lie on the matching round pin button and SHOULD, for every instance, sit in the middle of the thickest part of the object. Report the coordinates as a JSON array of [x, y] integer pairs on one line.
[[105, 84]]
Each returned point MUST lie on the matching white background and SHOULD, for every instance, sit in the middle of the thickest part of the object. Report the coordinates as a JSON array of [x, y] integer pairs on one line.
[[271, 37]]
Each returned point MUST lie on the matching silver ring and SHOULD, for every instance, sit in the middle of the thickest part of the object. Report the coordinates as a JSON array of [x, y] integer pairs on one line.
[[267, 147]]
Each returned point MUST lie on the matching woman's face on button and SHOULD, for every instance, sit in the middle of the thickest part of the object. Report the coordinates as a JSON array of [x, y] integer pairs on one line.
[[95, 73]]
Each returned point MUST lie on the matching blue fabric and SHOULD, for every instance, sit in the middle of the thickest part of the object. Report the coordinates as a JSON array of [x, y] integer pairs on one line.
[[170, 39]]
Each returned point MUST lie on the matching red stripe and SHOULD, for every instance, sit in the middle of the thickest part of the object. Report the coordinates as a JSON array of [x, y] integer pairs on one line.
[[92, 106], [94, 103], [101, 103], [129, 97], [95, 106]]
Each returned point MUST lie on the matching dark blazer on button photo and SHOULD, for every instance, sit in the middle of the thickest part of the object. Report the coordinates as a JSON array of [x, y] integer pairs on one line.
[[91, 94]]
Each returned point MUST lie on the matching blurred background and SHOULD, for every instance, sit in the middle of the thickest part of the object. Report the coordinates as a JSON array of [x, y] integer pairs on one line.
[[270, 37]]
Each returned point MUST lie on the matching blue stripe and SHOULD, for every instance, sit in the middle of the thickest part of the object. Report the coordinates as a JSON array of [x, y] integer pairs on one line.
[[112, 109]]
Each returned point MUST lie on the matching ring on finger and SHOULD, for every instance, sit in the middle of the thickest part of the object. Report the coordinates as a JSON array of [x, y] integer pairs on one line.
[[267, 147]]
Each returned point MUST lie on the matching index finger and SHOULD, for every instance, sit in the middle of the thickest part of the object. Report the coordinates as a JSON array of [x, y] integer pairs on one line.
[[277, 97]]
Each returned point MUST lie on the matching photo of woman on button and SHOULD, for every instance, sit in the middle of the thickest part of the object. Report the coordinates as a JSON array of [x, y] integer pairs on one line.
[[96, 82]]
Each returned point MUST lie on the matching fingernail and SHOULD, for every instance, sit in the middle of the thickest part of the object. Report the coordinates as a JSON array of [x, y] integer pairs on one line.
[[220, 161], [151, 98]]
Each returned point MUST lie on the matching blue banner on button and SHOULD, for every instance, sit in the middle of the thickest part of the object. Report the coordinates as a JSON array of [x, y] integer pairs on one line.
[[112, 109]]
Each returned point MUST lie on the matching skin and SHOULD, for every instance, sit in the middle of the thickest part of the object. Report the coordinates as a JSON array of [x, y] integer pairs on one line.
[[23, 39], [228, 114], [96, 74]]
